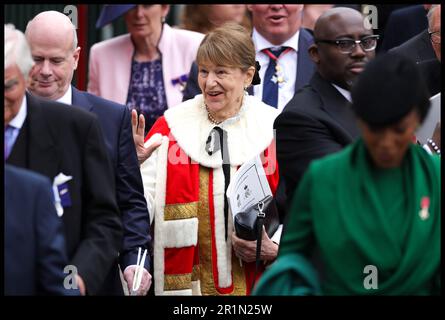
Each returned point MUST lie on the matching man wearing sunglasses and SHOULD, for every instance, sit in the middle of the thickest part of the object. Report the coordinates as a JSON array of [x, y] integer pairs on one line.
[[318, 120]]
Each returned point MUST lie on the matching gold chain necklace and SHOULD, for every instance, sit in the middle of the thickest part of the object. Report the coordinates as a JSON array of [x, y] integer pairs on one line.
[[211, 118]]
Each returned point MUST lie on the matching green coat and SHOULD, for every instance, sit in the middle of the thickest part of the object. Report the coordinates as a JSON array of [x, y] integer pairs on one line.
[[368, 223]]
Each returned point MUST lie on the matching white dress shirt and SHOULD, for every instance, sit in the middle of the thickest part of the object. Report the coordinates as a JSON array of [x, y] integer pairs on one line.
[[345, 93], [289, 60], [20, 117], [67, 98]]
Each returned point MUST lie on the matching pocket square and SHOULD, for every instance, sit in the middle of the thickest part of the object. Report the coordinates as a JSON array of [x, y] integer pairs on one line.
[[64, 195], [61, 192]]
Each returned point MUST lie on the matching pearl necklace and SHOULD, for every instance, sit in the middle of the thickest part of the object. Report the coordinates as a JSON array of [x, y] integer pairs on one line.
[[211, 118]]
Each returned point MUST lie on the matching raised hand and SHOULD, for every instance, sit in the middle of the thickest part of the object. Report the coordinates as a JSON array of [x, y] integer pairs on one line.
[[138, 127]]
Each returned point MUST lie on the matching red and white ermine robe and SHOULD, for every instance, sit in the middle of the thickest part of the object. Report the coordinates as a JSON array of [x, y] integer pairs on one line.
[[184, 187]]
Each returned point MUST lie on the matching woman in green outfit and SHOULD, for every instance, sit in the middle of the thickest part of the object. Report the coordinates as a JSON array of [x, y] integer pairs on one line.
[[371, 211]]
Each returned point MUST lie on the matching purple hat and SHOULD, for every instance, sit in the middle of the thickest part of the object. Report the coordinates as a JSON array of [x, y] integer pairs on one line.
[[111, 12]]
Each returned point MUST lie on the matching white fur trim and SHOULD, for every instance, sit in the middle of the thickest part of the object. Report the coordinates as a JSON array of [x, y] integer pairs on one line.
[[196, 288], [247, 137], [158, 250], [180, 233], [224, 269]]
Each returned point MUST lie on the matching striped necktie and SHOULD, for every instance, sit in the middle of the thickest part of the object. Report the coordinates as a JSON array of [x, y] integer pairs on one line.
[[271, 77]]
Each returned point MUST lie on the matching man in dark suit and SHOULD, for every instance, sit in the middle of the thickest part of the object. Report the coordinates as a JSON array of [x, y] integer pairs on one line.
[[403, 24], [420, 47], [51, 35], [274, 26], [35, 250], [318, 120], [431, 69], [67, 146]]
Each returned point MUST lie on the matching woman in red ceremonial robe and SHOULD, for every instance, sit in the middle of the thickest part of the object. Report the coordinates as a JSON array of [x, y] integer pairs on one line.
[[204, 141]]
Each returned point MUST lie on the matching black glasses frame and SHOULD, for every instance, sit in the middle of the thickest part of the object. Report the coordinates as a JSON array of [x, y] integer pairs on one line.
[[355, 42], [434, 38]]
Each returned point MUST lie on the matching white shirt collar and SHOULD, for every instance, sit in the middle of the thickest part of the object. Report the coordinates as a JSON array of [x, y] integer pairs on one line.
[[67, 98], [20, 117], [261, 43], [345, 93]]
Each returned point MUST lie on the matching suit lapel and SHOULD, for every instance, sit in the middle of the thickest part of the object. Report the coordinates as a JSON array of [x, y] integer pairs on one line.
[[305, 66], [42, 147], [336, 105]]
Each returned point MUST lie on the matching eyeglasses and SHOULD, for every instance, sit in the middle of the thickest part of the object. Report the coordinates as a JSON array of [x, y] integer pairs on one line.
[[435, 37], [348, 45]]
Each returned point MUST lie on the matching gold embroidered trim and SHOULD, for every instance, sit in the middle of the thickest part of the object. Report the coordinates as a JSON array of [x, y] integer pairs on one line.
[[177, 281], [205, 245], [180, 211], [196, 273], [204, 235]]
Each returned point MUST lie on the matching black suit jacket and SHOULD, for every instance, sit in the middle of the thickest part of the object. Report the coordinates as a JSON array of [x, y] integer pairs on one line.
[[35, 250], [305, 68], [403, 24], [418, 48], [431, 70], [54, 139], [115, 121], [316, 122]]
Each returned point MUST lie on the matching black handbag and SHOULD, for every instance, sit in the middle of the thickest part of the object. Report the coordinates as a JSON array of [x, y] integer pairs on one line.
[[247, 222], [249, 225]]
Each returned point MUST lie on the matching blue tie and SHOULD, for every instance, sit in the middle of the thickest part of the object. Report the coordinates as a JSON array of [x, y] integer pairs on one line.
[[270, 87], [9, 139]]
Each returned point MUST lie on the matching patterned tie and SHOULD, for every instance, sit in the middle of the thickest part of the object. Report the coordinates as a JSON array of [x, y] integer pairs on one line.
[[9, 140], [270, 85]]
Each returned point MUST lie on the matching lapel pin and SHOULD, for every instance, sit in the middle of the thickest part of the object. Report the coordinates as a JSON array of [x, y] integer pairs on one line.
[[424, 206]]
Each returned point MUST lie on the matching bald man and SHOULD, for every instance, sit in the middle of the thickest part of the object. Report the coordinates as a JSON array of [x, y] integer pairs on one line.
[[318, 120], [53, 42], [67, 146]]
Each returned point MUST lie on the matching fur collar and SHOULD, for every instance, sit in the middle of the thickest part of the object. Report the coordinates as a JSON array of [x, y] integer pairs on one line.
[[248, 136]]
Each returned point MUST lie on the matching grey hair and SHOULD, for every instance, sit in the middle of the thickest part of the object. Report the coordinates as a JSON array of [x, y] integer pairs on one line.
[[17, 50], [75, 42], [430, 15]]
